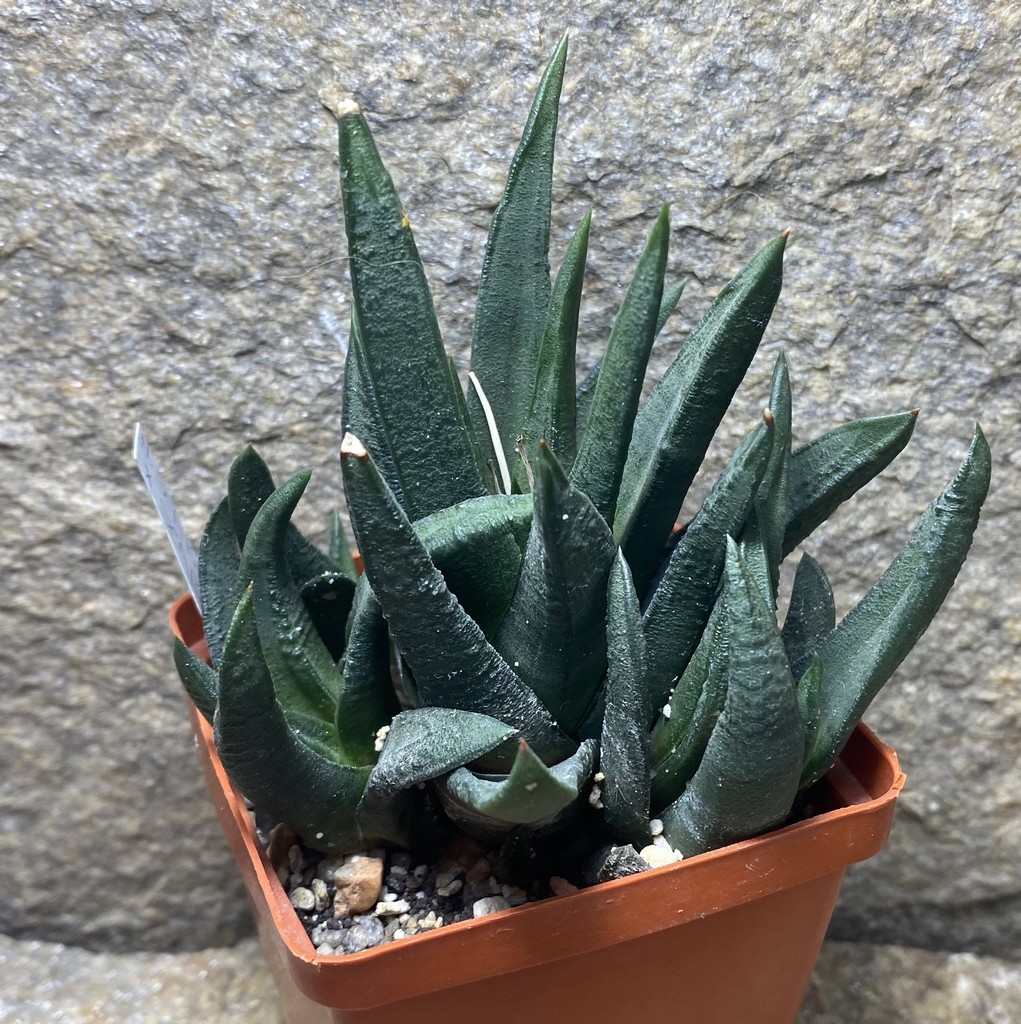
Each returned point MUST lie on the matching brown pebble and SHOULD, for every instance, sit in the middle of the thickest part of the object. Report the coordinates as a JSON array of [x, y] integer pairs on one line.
[[359, 884]]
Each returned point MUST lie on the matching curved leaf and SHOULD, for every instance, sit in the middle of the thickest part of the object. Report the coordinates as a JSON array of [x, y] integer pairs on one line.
[[868, 644], [200, 681], [401, 352], [827, 471], [674, 426], [748, 776], [604, 446], [219, 562], [554, 635], [811, 614], [680, 605], [624, 750], [514, 292], [531, 793], [264, 757], [454, 664]]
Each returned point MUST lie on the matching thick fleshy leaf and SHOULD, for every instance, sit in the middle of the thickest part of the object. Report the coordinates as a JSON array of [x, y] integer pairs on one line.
[[554, 635], [402, 352], [679, 607], [453, 663], [748, 776], [340, 550], [868, 644], [422, 744], [530, 793], [328, 599], [827, 471], [604, 446], [514, 292], [810, 703], [671, 296], [219, 561], [553, 410], [249, 485], [283, 776], [305, 677], [624, 750], [676, 423], [761, 541], [811, 614], [200, 681], [682, 732]]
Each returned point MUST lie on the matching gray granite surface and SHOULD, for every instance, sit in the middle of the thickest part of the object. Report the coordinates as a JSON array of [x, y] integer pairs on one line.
[[171, 250]]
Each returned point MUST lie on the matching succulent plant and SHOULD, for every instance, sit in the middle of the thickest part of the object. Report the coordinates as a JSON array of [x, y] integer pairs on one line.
[[534, 645]]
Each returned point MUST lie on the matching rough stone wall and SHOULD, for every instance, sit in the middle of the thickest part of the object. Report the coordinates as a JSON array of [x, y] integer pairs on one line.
[[171, 234]]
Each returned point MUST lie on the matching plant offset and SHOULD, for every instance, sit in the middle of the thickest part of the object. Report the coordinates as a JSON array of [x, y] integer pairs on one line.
[[534, 652]]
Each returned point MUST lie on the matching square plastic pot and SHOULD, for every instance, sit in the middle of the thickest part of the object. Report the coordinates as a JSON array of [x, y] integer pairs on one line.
[[728, 937]]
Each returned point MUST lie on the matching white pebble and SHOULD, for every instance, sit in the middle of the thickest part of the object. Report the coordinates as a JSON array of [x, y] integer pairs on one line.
[[303, 899], [666, 710], [391, 908], [489, 905], [656, 827], [453, 886]]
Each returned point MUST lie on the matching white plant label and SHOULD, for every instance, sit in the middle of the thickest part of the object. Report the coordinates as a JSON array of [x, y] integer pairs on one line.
[[183, 549]]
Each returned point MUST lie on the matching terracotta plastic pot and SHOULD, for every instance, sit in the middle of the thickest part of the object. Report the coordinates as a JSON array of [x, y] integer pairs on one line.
[[728, 937]]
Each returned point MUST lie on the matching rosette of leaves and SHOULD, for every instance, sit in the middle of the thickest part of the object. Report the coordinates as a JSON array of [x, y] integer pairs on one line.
[[533, 640]]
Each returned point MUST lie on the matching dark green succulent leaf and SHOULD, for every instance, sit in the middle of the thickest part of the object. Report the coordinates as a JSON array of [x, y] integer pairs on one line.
[[554, 634], [531, 793], [305, 676], [403, 357], [453, 663], [552, 413], [761, 541], [748, 776], [868, 644], [219, 561], [477, 546], [810, 703], [679, 607], [283, 776], [200, 681], [676, 423], [682, 732], [671, 296], [361, 414], [340, 551], [328, 599], [624, 750], [422, 744], [811, 614], [827, 471], [249, 485], [604, 445], [587, 387], [514, 292], [366, 700]]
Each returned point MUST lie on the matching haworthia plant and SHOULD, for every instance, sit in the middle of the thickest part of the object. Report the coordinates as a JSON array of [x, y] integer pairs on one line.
[[536, 647]]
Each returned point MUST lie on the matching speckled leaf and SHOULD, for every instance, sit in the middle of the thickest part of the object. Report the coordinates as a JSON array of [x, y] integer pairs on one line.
[[402, 353], [748, 776], [453, 663], [280, 774], [604, 446], [200, 681], [219, 561], [554, 634], [514, 292], [679, 607], [868, 644], [552, 413], [676, 423], [624, 750], [827, 471], [761, 540], [811, 614], [530, 793], [810, 703], [305, 677]]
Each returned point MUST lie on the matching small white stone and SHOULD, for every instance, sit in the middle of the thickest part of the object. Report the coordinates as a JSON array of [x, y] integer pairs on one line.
[[392, 908], [489, 905], [595, 798], [450, 888], [320, 892], [656, 827], [381, 735], [599, 777], [656, 856], [666, 711], [325, 949], [303, 899]]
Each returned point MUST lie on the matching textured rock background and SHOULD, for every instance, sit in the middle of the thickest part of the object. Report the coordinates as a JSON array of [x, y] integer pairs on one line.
[[170, 233]]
